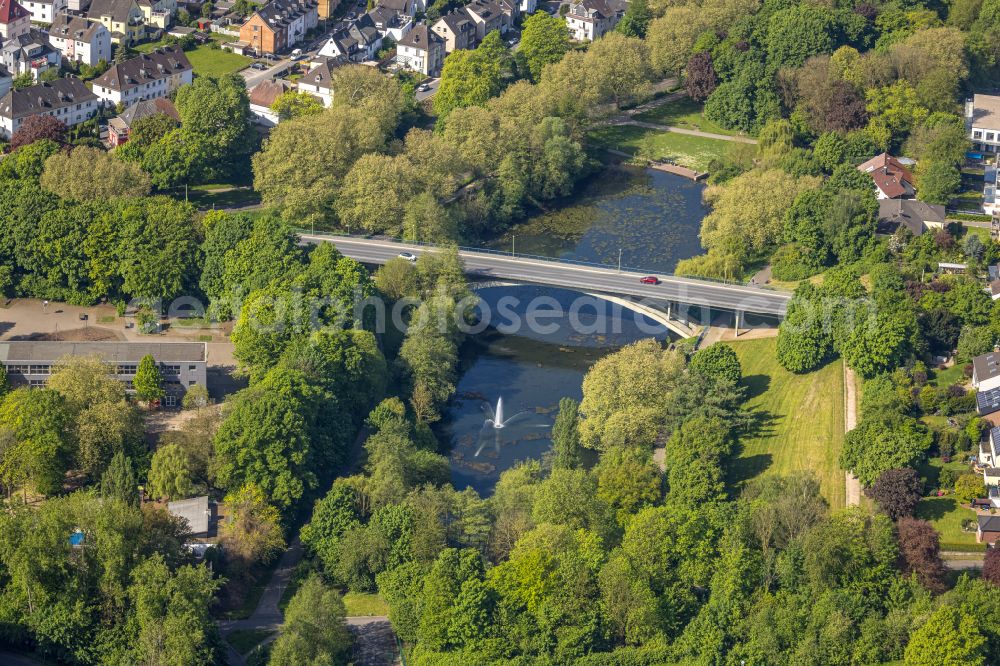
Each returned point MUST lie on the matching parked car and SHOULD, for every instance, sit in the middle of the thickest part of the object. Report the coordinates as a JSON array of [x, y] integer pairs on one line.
[[650, 279], [297, 54], [259, 66], [409, 256], [423, 87]]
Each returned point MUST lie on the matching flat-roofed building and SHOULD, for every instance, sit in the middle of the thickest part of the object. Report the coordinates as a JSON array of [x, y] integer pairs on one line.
[[982, 121], [182, 364]]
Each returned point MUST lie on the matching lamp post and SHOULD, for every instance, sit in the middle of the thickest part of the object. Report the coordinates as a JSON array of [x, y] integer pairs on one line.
[[512, 236], [619, 260]]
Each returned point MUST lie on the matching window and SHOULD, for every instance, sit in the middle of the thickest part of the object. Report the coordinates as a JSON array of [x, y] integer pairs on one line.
[[192, 368], [170, 401]]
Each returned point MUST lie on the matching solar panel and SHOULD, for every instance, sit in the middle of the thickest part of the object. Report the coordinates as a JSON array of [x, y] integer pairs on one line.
[[988, 402]]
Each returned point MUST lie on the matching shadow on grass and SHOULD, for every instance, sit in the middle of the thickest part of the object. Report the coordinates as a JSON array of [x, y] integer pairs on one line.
[[935, 508], [756, 385], [742, 470]]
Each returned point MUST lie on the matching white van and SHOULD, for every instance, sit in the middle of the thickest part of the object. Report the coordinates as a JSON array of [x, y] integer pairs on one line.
[[297, 54]]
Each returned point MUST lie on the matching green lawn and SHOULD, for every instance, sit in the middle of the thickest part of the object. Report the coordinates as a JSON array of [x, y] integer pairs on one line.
[[359, 603], [953, 375], [694, 152], [946, 515], [685, 113], [243, 640], [802, 420], [206, 61], [221, 196]]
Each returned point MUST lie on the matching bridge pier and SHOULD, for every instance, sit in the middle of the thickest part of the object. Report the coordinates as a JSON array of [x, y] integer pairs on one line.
[[739, 319]]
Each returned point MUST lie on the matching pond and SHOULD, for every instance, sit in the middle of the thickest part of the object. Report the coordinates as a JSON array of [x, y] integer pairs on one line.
[[653, 218]]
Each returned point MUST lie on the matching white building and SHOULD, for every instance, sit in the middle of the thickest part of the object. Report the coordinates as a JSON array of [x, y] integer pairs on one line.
[[262, 98], [14, 19], [29, 53], [590, 19], [80, 39], [68, 100], [421, 50], [318, 82], [148, 76], [982, 121], [45, 11], [986, 371]]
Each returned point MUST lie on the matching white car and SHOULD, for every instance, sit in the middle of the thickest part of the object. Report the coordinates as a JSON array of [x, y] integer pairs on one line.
[[423, 87], [408, 256], [297, 54]]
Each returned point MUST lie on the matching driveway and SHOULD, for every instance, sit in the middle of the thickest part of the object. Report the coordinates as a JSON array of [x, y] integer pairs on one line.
[[432, 88]]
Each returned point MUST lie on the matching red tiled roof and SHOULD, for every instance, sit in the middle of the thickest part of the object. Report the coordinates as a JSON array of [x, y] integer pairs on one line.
[[10, 10], [889, 174]]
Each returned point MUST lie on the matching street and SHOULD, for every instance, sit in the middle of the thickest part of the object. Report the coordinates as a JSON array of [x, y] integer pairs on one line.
[[432, 88]]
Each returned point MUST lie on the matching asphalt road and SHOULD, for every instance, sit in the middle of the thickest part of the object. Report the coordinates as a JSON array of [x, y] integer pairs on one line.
[[432, 87], [579, 278], [255, 76]]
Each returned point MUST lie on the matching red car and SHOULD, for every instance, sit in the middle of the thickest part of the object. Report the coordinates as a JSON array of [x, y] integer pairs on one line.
[[650, 279]]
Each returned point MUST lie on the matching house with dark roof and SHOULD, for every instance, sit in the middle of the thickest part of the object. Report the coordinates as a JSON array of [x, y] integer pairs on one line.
[[390, 23], [987, 529], [14, 19], [911, 214], [80, 39], [488, 16], [358, 42], [319, 81], [457, 30], [986, 371], [591, 19], [262, 98], [198, 512], [406, 7], [66, 99], [147, 76], [421, 50], [279, 25], [891, 178], [122, 18], [120, 126], [29, 53]]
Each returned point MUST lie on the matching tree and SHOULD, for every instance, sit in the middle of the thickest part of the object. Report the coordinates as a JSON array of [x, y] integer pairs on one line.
[[619, 69], [119, 480], [38, 128], [85, 381], [937, 181], [38, 447], [897, 491], [251, 531], [991, 566], [215, 115], [294, 104], [314, 630], [91, 174], [804, 341], [700, 78], [877, 445], [472, 77], [148, 381], [170, 474], [544, 40], [919, 551], [949, 637], [636, 20], [566, 436], [104, 430], [718, 360], [969, 487]]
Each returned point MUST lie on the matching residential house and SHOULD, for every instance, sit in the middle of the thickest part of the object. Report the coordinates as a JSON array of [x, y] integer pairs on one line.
[[318, 82], [982, 122], [421, 50], [989, 449], [358, 42], [45, 11], [262, 98], [6, 81], [405, 7], [14, 19], [991, 189], [158, 13], [528, 6], [122, 18], [181, 364], [67, 99], [147, 76], [986, 371], [78, 6], [892, 179], [457, 29], [120, 126], [29, 53], [390, 23], [488, 16], [80, 39], [279, 25], [326, 8], [916, 216], [993, 281], [512, 9], [589, 20], [197, 512], [987, 529]]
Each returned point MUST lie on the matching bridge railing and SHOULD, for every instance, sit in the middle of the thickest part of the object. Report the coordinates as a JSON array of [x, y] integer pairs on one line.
[[524, 255]]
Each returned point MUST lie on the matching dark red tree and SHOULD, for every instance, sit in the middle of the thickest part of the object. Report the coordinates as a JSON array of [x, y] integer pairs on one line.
[[699, 77], [920, 552], [897, 492], [845, 110], [991, 566], [36, 128]]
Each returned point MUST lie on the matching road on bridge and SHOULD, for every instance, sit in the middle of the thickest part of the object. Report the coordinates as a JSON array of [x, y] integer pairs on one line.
[[576, 277]]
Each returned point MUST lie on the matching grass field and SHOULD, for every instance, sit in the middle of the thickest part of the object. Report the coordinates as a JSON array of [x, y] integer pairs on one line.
[[685, 113], [206, 61], [946, 515], [243, 640], [694, 152], [358, 604], [802, 420]]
